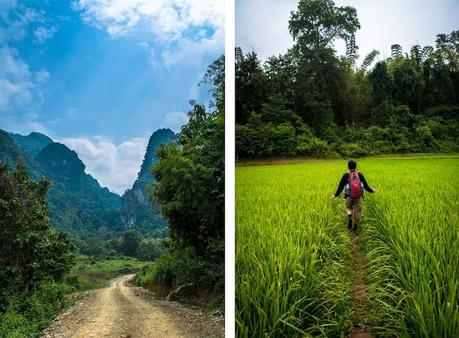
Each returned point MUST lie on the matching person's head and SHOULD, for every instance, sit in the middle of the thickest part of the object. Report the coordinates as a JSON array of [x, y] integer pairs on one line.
[[352, 165]]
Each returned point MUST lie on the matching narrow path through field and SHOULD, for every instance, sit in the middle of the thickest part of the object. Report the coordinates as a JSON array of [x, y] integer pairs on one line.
[[359, 292], [121, 310]]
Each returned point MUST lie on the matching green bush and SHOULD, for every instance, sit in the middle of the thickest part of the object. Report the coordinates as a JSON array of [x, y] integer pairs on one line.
[[30, 313], [283, 140], [150, 249], [312, 146], [179, 267]]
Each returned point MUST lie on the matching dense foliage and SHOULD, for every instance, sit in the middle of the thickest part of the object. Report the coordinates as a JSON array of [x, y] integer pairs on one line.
[[189, 189], [312, 102], [33, 257]]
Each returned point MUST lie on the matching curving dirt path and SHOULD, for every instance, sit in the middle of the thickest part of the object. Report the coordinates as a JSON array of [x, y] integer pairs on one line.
[[359, 292], [121, 310]]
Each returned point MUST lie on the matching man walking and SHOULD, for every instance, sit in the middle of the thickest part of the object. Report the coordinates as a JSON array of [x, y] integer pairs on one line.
[[354, 182]]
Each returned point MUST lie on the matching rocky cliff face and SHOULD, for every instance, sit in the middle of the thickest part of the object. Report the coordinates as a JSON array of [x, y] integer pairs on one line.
[[136, 210]]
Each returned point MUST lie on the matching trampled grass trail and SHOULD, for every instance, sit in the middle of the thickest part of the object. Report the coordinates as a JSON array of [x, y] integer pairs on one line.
[[300, 273], [361, 326]]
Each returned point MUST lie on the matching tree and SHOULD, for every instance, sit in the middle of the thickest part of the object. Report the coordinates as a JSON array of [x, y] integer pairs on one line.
[[190, 178], [382, 82], [30, 251], [319, 93], [317, 23], [150, 249], [368, 60], [408, 83], [250, 85], [130, 242], [281, 73]]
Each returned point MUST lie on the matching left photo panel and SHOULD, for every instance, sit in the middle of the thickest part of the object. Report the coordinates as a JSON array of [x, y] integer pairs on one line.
[[112, 168]]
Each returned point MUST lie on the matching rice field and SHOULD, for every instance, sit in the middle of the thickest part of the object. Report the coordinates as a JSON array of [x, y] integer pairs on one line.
[[293, 249]]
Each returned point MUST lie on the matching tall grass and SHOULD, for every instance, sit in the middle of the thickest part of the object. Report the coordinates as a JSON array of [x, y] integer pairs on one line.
[[291, 250], [413, 248]]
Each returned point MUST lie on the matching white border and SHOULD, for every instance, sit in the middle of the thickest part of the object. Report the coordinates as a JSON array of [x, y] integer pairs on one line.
[[229, 170]]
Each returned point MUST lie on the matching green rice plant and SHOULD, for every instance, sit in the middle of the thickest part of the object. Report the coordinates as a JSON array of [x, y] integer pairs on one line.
[[413, 247], [291, 250]]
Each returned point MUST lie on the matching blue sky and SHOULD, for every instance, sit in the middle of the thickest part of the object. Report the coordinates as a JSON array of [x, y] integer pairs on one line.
[[102, 75], [262, 25]]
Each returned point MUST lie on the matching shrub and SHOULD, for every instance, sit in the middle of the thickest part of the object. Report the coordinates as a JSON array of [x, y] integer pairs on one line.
[[30, 313], [176, 268]]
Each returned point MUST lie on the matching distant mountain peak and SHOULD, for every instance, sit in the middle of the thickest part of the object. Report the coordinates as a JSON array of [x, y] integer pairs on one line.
[[61, 160], [160, 136], [136, 210], [36, 134], [32, 143]]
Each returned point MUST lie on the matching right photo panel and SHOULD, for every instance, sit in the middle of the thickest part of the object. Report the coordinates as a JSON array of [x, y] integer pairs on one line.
[[347, 161]]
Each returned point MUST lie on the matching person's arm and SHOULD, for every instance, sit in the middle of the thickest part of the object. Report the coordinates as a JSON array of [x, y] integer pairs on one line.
[[341, 185], [365, 184]]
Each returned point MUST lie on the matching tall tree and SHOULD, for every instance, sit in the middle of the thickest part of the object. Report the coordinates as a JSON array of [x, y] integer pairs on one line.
[[314, 26], [250, 85]]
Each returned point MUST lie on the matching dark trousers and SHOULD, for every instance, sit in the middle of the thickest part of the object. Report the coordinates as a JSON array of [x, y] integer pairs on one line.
[[355, 205]]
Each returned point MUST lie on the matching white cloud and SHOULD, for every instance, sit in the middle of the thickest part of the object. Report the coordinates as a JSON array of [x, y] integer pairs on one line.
[[181, 26], [44, 33], [16, 81], [16, 21], [175, 121], [114, 165], [41, 76], [20, 86], [191, 51]]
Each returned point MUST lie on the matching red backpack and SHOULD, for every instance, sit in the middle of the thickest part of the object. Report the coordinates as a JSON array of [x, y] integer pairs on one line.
[[355, 186]]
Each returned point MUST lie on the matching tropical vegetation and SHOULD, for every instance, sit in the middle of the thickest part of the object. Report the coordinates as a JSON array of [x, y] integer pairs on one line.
[[312, 102]]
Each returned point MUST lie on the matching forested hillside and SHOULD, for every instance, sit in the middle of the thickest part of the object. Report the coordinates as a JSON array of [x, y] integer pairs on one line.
[[313, 102]]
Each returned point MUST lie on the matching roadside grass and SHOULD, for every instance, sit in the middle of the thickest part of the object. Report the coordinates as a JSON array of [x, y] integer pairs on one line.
[[92, 273], [186, 277]]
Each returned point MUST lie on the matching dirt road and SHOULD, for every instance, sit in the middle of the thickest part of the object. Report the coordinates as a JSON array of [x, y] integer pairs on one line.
[[122, 310]]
